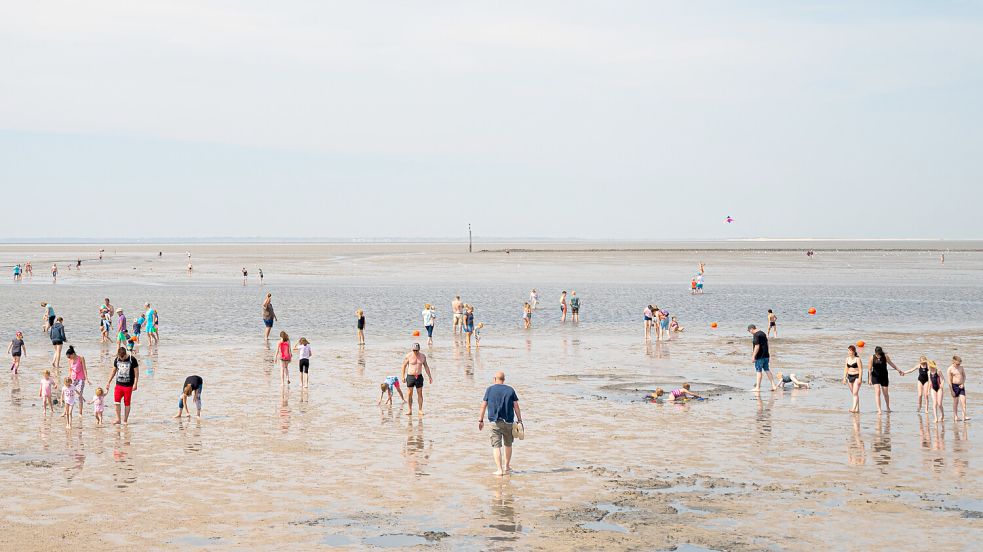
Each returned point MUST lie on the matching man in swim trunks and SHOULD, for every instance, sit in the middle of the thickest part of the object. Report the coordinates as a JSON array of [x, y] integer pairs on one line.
[[957, 379], [761, 357], [414, 364], [457, 307]]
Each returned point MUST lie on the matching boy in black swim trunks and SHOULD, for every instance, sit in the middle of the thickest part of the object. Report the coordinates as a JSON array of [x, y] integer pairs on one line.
[[957, 379]]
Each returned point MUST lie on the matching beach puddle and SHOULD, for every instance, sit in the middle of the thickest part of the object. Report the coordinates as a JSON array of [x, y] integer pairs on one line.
[[192, 540], [603, 526], [395, 541], [684, 509], [336, 540]]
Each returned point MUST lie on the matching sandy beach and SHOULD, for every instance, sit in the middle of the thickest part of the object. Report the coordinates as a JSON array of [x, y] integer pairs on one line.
[[600, 468]]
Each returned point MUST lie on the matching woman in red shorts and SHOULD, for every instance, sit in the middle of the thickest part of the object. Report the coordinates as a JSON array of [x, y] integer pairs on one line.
[[126, 373]]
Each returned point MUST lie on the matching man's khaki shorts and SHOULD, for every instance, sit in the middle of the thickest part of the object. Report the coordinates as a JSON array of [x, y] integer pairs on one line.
[[501, 431]]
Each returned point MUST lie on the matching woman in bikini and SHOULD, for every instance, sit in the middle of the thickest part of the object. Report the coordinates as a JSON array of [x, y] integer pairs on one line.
[[853, 371]]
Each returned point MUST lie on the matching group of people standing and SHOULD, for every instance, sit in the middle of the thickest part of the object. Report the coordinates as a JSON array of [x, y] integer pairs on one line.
[[568, 304], [659, 322], [23, 270], [125, 375], [931, 381]]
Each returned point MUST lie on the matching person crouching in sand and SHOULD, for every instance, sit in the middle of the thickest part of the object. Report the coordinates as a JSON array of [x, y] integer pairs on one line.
[[392, 382], [192, 385], [784, 379]]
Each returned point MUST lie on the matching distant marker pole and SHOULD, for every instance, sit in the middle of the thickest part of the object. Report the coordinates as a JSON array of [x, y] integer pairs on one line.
[[470, 244]]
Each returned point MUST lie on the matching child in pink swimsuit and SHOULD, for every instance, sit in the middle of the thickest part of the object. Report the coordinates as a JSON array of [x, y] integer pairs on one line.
[[98, 403], [47, 384]]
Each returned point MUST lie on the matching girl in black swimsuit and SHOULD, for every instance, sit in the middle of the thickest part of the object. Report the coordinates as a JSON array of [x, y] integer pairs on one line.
[[937, 381], [853, 376], [923, 387], [878, 377]]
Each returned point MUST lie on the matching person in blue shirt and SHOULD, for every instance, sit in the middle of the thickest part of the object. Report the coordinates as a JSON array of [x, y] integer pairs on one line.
[[502, 405]]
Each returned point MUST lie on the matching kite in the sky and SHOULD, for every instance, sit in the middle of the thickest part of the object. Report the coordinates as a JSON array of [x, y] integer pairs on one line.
[[729, 219]]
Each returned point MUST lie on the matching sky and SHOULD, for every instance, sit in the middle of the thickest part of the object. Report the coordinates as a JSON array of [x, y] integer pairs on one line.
[[631, 120]]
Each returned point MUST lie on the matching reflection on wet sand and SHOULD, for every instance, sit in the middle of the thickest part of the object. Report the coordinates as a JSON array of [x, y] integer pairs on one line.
[[417, 450], [762, 419], [881, 448], [284, 411], [856, 450], [503, 511]]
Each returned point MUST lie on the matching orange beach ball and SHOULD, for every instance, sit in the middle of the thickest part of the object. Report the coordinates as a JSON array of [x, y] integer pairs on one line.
[[713, 325], [416, 333], [861, 343], [812, 310]]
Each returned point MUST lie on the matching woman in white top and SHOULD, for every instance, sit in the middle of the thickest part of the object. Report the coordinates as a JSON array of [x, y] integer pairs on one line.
[[429, 319]]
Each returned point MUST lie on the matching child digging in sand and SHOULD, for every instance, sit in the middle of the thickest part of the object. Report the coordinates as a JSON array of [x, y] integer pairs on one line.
[[392, 382], [681, 394], [790, 378]]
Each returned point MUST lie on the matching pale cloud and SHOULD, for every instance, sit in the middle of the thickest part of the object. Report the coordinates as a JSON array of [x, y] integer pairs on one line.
[[550, 95]]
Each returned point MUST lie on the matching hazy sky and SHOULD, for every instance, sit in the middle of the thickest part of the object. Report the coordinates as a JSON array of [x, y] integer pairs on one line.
[[641, 120]]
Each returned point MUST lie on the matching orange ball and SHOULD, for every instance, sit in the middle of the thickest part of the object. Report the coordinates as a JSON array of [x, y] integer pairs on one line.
[[861, 343], [713, 324], [812, 310], [416, 333]]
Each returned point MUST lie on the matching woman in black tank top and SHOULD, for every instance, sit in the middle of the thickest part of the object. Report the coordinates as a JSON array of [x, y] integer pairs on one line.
[[879, 377]]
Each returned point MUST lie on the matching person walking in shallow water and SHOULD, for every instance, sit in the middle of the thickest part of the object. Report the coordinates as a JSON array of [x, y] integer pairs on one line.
[[502, 406], [414, 363], [269, 316], [761, 357], [878, 376], [853, 376]]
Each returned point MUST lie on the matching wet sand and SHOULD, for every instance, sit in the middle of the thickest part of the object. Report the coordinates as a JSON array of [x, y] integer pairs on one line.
[[600, 468]]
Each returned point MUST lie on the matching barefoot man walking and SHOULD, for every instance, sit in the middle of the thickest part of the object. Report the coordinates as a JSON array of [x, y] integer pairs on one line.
[[413, 365], [502, 405], [760, 356]]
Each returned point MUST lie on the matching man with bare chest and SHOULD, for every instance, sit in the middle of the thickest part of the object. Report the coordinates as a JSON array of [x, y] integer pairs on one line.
[[414, 363]]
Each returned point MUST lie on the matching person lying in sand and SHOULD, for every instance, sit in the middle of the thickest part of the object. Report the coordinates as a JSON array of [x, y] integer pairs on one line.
[[790, 378], [681, 394]]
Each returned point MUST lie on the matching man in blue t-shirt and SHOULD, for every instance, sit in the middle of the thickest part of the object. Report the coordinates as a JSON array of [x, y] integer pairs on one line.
[[502, 405]]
